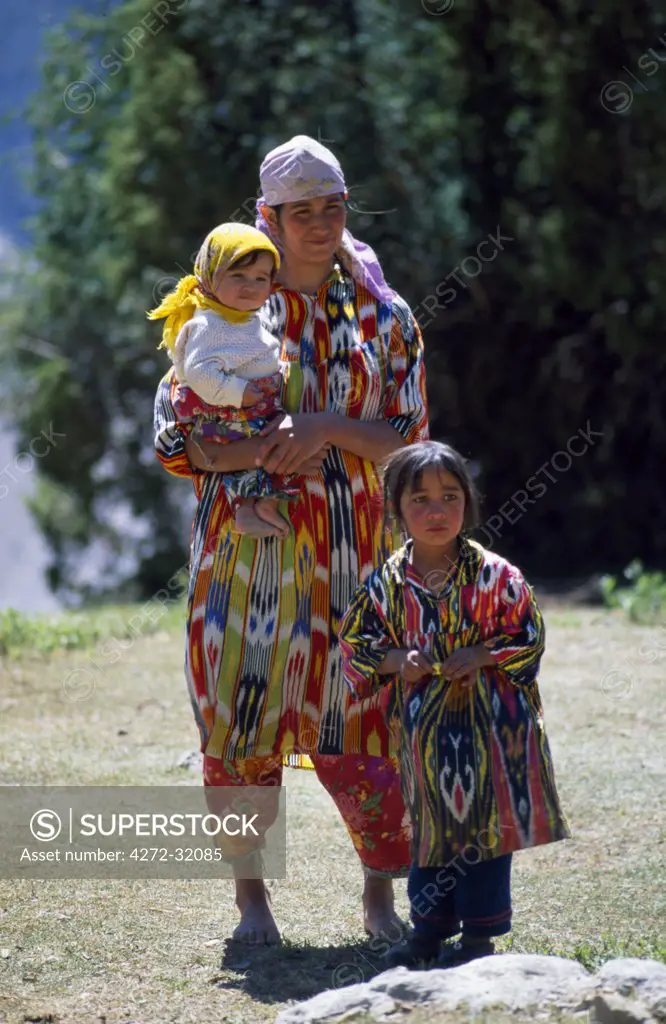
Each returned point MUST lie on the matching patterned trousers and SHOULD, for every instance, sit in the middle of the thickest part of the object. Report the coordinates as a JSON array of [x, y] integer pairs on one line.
[[365, 790]]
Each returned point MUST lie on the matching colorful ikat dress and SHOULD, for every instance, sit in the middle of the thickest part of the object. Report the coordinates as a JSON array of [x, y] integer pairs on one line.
[[263, 662], [475, 764]]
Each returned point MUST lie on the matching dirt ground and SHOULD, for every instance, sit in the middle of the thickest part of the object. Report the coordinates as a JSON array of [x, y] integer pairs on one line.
[[147, 952]]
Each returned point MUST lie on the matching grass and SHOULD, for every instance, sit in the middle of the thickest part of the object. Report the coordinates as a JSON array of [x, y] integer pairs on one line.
[[154, 951], [103, 627]]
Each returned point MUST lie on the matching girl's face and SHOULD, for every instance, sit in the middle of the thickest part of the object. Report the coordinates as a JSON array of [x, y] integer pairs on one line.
[[245, 288], [433, 514], [311, 230]]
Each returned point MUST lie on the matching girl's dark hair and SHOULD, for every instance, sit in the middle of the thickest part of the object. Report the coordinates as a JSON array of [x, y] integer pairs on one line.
[[250, 258], [404, 471]]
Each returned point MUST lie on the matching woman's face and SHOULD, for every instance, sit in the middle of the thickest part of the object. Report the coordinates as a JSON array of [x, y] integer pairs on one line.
[[311, 230]]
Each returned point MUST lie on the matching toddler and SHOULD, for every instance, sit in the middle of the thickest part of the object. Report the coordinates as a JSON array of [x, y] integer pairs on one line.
[[227, 363]]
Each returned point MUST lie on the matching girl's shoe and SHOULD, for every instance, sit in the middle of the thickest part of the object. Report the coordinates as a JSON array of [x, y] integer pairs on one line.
[[412, 952], [456, 953]]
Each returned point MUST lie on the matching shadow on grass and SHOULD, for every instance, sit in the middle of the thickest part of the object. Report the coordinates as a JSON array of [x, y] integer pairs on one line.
[[276, 974]]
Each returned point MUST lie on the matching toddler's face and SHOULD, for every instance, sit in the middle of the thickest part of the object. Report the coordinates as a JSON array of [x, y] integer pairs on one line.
[[245, 288], [433, 514]]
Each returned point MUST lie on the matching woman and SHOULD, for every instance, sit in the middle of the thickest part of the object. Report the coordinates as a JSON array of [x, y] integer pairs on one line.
[[265, 681]]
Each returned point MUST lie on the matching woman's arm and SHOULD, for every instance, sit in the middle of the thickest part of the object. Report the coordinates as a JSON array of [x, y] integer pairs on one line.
[[404, 420], [223, 458], [169, 438], [298, 437], [240, 455], [407, 407], [374, 440], [182, 455]]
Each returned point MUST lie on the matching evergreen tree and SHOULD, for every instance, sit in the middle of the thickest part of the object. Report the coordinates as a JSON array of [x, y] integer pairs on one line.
[[452, 123]]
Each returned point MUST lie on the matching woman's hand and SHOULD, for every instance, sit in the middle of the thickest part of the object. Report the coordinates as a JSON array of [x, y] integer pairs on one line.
[[291, 443], [414, 665], [463, 665], [313, 465]]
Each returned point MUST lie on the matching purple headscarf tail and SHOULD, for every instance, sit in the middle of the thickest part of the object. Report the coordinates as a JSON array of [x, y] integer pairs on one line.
[[362, 263]]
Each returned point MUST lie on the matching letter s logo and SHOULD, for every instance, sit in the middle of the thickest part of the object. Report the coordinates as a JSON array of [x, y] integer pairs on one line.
[[45, 825]]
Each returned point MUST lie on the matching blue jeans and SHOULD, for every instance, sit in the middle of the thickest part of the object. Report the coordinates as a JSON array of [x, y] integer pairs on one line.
[[474, 898]]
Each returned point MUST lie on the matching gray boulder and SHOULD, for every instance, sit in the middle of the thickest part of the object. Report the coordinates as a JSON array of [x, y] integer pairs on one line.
[[622, 992], [612, 1008], [517, 982], [642, 980]]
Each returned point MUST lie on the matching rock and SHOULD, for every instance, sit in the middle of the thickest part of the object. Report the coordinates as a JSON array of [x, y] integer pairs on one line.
[[643, 979], [612, 1008], [336, 1005], [191, 759], [516, 982], [623, 991]]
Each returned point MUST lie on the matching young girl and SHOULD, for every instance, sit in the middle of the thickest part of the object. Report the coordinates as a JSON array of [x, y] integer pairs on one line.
[[454, 634], [227, 363]]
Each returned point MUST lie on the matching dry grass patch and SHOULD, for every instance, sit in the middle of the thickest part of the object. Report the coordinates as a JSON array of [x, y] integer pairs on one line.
[[154, 951]]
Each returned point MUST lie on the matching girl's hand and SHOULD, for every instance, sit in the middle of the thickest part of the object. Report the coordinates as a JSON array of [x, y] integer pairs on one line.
[[463, 665], [414, 665], [291, 442]]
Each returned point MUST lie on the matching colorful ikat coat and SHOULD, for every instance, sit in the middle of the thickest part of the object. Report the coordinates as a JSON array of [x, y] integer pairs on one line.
[[475, 763], [262, 657]]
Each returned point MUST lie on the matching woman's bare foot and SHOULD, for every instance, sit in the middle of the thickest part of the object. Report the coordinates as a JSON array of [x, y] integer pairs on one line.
[[267, 510], [247, 521], [379, 916], [257, 925]]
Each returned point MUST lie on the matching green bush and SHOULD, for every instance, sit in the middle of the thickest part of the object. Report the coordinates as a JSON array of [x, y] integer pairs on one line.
[[67, 631], [643, 597]]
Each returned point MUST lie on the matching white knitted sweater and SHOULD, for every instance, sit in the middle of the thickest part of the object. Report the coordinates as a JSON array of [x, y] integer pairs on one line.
[[217, 358]]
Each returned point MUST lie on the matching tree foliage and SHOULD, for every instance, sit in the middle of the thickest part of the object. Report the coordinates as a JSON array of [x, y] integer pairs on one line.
[[450, 127]]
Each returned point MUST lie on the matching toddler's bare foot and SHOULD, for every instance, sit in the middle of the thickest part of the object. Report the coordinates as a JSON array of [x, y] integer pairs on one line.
[[247, 521], [266, 509]]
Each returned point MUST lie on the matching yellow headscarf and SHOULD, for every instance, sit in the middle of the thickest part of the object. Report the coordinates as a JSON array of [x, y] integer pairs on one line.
[[223, 246]]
